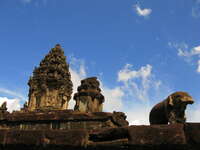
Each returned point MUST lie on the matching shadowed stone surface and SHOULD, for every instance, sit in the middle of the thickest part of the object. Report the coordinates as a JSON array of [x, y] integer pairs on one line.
[[155, 137], [192, 132], [43, 138], [50, 85], [109, 134]]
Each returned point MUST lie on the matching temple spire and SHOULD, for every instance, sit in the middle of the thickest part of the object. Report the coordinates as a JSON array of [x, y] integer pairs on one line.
[[50, 85]]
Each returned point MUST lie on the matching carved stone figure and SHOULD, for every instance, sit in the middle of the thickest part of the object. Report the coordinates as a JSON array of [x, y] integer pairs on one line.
[[50, 85], [89, 97], [171, 110], [119, 118], [25, 107], [3, 107]]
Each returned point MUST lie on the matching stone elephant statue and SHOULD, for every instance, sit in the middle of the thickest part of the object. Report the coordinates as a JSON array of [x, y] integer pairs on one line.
[[171, 110]]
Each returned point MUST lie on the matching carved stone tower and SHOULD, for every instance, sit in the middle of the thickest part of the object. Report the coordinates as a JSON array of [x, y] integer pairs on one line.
[[89, 97], [50, 85]]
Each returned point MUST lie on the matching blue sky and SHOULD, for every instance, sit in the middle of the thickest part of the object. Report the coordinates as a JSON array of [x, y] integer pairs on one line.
[[140, 50]]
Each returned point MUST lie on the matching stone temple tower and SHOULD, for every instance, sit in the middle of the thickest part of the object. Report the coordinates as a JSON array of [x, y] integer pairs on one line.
[[50, 85], [89, 97]]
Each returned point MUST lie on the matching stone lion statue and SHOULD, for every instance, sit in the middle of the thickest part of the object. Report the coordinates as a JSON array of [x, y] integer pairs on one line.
[[171, 110]]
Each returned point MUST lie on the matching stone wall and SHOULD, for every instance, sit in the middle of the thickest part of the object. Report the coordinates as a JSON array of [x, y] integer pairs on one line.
[[155, 137]]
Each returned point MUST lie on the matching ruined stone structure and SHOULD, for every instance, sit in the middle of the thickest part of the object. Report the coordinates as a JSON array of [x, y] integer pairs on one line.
[[61, 120], [50, 91], [50, 85], [89, 97], [46, 123]]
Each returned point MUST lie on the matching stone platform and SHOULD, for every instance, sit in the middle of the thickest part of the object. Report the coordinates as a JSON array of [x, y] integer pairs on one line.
[[61, 120]]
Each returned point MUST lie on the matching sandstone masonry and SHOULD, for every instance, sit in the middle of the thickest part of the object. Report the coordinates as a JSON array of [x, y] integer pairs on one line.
[[89, 97], [50, 85]]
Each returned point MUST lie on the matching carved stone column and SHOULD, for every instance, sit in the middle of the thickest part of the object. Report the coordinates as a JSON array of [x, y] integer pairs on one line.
[[89, 97]]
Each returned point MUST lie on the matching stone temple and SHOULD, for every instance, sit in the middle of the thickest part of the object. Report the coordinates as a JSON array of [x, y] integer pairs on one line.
[[50, 90], [46, 123], [50, 85]]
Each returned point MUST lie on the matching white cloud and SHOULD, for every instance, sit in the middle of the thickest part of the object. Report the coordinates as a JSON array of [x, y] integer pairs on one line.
[[12, 93], [136, 82], [196, 50], [189, 54], [78, 72], [138, 116], [127, 74], [140, 87], [182, 48], [12, 104], [113, 98], [184, 52], [142, 12], [76, 77], [192, 113], [198, 68], [134, 91]]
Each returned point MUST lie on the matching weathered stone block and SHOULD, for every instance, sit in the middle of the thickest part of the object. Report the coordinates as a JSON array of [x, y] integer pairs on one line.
[[192, 132], [120, 144], [19, 137], [71, 138], [156, 135], [109, 134], [44, 138]]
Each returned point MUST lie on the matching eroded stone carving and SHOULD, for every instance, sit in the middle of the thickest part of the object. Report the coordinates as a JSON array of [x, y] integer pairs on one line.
[[119, 118], [25, 107], [50, 85], [89, 97], [3, 107], [171, 110]]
